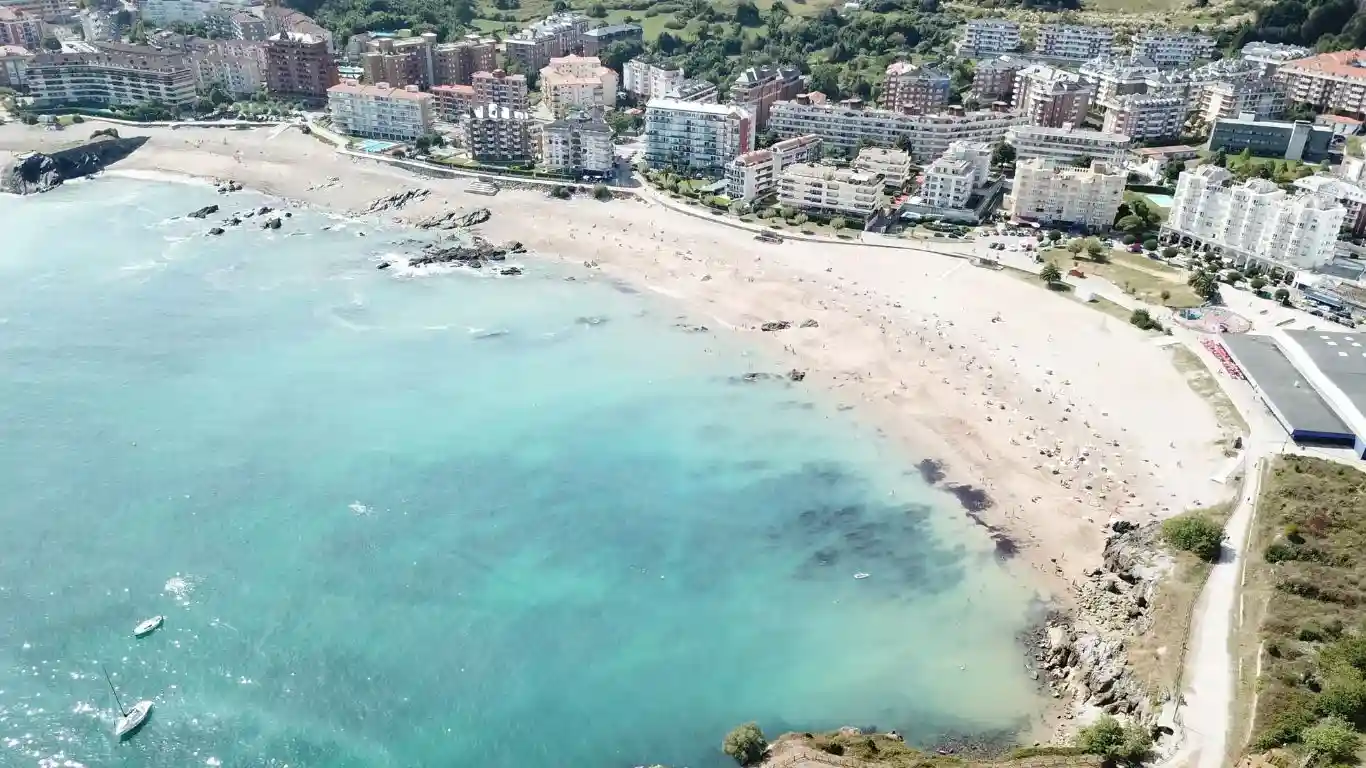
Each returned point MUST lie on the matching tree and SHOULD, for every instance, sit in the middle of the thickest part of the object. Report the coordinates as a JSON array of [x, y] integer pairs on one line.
[[1165, 296], [1050, 273], [1220, 159], [1095, 250], [1132, 224], [1144, 321], [838, 223], [1172, 170], [1257, 283], [1283, 296], [1150, 244], [597, 11], [1075, 246], [1332, 739], [601, 192], [1344, 696], [1204, 284], [1054, 236], [747, 14], [51, 44], [746, 744], [1003, 154], [1195, 532], [1169, 252], [1106, 737], [617, 54]]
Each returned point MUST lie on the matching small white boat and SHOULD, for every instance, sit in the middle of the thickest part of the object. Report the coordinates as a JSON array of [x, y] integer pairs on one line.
[[133, 719], [860, 575], [149, 626]]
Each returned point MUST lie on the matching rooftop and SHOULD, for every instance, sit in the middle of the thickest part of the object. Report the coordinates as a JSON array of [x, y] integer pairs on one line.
[[14, 50], [1292, 395], [615, 29], [1350, 64], [677, 105], [584, 121], [827, 173], [756, 75], [380, 91], [496, 112]]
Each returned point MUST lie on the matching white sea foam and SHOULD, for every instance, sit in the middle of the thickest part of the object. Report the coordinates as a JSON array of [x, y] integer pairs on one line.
[[360, 510], [181, 587], [176, 178]]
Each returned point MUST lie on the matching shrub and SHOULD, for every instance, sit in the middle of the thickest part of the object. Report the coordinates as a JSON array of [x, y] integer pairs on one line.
[[1258, 283], [77, 119], [1050, 273], [674, 24], [601, 192], [1196, 533], [746, 743], [110, 132], [1128, 239], [838, 223], [833, 748], [1109, 739], [1283, 296], [1169, 252], [1332, 739], [560, 192], [1144, 321], [1165, 296], [1150, 244]]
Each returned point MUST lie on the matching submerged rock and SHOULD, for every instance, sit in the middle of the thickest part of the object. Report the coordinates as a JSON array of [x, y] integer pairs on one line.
[[217, 231], [271, 224], [510, 271], [384, 265]]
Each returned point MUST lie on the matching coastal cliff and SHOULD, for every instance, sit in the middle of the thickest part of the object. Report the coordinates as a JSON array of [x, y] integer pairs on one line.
[[39, 172]]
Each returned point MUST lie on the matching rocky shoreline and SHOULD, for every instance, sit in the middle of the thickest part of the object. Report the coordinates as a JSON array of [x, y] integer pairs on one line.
[[38, 172]]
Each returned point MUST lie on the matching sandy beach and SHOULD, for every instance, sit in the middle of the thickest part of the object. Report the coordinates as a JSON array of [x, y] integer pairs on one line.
[[1066, 418]]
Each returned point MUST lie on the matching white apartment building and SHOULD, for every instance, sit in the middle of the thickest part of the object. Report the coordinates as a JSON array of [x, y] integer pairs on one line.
[[572, 83], [824, 190], [238, 66], [648, 81], [1270, 56], [1047, 192], [1255, 221], [1114, 77], [1143, 117], [702, 137], [493, 133], [893, 165], [579, 143], [949, 182], [1264, 97], [559, 34], [381, 112], [1350, 195], [164, 12], [846, 126], [984, 37], [1329, 81], [116, 74], [14, 66], [1170, 49], [755, 174], [1073, 42], [1068, 144]]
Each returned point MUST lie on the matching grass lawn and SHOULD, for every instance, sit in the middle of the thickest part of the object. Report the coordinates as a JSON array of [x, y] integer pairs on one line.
[[1306, 583], [1133, 277], [533, 10]]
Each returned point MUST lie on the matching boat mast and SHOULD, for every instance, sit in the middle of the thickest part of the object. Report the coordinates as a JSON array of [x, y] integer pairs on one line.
[[122, 711]]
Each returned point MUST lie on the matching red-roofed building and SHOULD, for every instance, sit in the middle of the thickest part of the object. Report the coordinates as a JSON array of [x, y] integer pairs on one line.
[[1329, 81]]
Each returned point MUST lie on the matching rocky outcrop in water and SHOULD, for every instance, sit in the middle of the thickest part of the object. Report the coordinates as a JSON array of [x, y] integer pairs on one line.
[[271, 223], [39, 172], [216, 231], [203, 213], [475, 255], [455, 219], [228, 185]]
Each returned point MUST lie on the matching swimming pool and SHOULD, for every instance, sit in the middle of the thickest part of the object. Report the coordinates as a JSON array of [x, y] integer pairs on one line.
[[1161, 201]]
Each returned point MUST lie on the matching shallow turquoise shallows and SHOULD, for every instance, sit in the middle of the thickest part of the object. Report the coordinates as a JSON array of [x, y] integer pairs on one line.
[[450, 520]]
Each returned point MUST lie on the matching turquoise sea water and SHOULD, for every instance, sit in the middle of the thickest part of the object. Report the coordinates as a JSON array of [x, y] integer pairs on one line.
[[383, 535]]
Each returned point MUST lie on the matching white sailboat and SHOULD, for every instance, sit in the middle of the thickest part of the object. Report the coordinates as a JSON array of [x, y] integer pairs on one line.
[[132, 719], [149, 626]]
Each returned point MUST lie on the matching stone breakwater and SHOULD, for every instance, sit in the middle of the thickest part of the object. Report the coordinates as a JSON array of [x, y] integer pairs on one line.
[[36, 172], [1083, 659]]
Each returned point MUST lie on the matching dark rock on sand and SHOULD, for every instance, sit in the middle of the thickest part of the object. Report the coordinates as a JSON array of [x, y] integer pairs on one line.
[[203, 213], [810, 324], [777, 325], [395, 201], [796, 375], [271, 224], [455, 219], [515, 246]]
